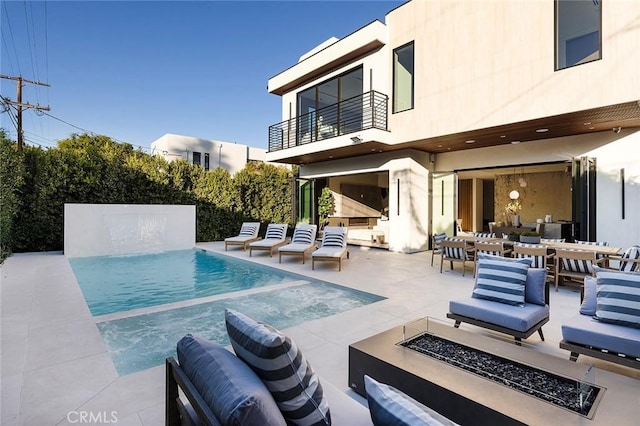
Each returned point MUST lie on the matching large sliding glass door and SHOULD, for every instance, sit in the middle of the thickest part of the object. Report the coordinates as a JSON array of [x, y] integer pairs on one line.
[[324, 111]]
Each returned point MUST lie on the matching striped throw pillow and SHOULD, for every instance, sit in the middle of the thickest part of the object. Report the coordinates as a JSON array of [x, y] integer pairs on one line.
[[536, 261], [456, 252], [484, 235], [275, 232], [333, 240], [501, 279], [631, 253], [577, 265], [618, 297], [303, 236], [437, 241], [389, 406], [276, 359], [248, 230]]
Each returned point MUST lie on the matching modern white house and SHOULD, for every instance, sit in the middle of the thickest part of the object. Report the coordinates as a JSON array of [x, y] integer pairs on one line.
[[436, 119], [207, 153]]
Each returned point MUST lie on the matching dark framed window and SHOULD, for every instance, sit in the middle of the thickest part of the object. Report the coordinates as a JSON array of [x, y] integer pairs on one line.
[[196, 158], [578, 32], [403, 78], [206, 161]]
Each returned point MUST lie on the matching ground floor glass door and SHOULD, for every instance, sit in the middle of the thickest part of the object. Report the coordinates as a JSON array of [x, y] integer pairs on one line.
[[444, 202]]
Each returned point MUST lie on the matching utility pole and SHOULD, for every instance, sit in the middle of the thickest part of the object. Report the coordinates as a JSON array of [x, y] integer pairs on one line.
[[20, 105]]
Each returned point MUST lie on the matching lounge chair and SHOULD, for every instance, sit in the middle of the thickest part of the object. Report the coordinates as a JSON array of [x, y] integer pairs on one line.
[[274, 238], [333, 247], [302, 242], [248, 233]]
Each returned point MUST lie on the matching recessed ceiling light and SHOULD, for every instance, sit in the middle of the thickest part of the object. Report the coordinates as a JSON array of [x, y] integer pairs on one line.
[[469, 141], [587, 123], [373, 150], [331, 156], [591, 128], [515, 142], [439, 146], [503, 136], [542, 130]]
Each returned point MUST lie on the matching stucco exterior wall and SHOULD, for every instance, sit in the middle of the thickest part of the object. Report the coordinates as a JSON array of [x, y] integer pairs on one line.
[[116, 229], [484, 63]]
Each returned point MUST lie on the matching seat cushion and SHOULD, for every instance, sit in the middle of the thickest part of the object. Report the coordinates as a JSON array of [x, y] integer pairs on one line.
[[501, 279], [329, 252], [278, 361], [235, 394], [618, 297], [389, 406], [519, 318], [585, 330]]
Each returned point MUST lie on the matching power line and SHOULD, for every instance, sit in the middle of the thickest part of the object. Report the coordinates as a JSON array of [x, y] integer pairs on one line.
[[13, 42]]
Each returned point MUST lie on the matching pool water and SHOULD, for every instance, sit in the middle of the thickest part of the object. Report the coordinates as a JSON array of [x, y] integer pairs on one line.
[[144, 341], [122, 283], [144, 304]]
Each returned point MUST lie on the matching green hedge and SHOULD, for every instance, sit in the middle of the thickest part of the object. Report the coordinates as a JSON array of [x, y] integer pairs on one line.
[[36, 183]]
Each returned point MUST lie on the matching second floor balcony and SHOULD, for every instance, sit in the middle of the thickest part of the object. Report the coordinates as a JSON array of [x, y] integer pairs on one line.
[[366, 111]]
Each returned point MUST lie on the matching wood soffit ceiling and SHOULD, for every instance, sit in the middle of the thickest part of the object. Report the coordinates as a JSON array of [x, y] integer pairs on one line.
[[625, 115]]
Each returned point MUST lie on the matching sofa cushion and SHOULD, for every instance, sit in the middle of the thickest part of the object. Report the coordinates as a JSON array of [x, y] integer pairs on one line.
[[389, 406], [520, 318], [235, 394], [585, 330], [618, 297], [501, 279], [534, 286], [277, 360], [588, 306]]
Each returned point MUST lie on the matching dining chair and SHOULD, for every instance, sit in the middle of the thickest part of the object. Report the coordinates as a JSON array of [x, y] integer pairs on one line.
[[489, 247], [573, 264], [629, 261], [456, 250], [484, 234], [436, 244], [552, 240], [538, 253]]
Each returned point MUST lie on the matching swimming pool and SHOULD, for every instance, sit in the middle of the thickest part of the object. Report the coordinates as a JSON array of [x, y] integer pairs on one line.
[[144, 337], [122, 283]]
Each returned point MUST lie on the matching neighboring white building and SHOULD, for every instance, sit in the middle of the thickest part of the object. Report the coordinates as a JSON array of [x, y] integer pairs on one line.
[[441, 111], [206, 153]]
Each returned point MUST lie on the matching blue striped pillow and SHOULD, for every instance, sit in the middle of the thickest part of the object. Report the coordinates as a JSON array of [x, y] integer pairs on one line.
[[248, 230], [333, 240], [275, 232], [618, 297], [276, 359], [389, 406], [303, 236], [501, 279]]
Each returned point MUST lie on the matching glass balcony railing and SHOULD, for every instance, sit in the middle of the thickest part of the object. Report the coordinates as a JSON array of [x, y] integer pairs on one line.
[[366, 111]]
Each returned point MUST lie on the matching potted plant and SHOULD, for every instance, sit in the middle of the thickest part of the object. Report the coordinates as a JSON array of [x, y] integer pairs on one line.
[[513, 236], [530, 237], [326, 207]]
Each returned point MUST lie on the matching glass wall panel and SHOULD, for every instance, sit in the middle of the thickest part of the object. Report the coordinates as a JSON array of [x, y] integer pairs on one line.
[[403, 78], [578, 32]]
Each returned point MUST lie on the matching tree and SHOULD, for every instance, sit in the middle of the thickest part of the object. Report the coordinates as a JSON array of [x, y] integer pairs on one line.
[[326, 206]]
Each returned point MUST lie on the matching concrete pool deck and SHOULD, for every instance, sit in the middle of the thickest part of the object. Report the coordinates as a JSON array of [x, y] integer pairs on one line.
[[55, 367]]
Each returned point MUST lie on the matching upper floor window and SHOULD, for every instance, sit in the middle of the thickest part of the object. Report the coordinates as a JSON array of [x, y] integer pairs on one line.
[[403, 78], [196, 158], [578, 32], [206, 161]]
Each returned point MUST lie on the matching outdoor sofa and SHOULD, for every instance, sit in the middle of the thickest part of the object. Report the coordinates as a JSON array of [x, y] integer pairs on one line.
[[508, 297], [599, 331], [269, 382]]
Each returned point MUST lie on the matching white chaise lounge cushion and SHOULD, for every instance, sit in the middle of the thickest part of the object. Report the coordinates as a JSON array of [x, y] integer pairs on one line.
[[304, 236], [276, 234]]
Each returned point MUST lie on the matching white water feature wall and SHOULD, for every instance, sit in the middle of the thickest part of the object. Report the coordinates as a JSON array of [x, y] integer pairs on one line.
[[119, 229]]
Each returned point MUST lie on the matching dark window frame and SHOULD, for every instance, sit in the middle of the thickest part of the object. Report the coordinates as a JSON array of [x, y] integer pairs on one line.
[[556, 41], [413, 78], [206, 161], [193, 158]]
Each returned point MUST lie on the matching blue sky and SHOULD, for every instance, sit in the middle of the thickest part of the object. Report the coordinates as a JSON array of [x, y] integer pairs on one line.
[[137, 70]]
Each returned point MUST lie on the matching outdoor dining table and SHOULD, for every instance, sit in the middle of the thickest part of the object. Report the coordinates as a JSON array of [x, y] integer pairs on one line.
[[603, 250]]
